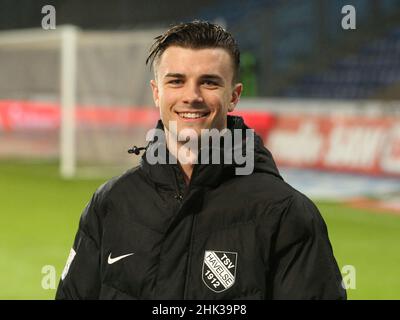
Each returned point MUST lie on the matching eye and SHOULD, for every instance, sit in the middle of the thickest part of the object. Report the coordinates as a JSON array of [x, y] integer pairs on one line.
[[210, 83], [175, 81]]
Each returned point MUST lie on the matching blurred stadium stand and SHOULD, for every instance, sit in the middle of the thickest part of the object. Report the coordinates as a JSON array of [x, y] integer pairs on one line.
[[294, 48], [301, 50], [98, 14], [373, 72]]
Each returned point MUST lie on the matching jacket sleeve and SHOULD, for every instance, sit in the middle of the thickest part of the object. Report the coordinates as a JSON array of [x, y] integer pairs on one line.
[[81, 276], [303, 264]]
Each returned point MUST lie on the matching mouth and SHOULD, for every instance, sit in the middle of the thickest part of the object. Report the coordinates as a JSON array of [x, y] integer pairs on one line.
[[193, 116]]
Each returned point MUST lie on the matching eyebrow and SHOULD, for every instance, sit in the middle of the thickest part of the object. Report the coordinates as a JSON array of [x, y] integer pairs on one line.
[[174, 75], [214, 77]]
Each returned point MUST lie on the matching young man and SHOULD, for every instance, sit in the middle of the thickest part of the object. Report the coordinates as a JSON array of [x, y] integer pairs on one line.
[[180, 228]]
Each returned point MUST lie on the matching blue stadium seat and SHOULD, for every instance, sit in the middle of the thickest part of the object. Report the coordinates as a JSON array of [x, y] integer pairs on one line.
[[358, 76]]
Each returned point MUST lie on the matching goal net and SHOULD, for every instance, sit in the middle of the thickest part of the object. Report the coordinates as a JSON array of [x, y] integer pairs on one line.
[[80, 97]]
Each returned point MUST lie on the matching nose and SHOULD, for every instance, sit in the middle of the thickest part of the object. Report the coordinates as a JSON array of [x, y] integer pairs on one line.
[[192, 94]]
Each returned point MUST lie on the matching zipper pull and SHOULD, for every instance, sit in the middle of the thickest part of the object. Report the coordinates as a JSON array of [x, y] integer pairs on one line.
[[178, 197]]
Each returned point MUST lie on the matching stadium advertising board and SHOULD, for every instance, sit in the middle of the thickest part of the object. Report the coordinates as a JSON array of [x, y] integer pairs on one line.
[[344, 143]]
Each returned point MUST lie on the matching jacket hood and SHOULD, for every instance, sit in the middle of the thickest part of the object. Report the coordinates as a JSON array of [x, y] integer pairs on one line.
[[263, 160], [208, 174]]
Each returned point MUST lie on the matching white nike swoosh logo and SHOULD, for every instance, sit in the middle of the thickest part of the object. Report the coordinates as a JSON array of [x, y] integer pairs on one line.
[[113, 260]]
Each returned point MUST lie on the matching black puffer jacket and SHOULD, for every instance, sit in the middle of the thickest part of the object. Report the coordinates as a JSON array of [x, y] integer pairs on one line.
[[145, 235]]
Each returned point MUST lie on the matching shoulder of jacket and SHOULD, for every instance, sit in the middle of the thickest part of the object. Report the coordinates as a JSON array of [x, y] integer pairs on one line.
[[269, 187], [111, 187], [295, 207], [302, 216], [287, 191]]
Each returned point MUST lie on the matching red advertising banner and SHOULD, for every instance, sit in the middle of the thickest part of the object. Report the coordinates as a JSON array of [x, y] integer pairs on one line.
[[21, 115], [341, 143], [356, 144], [24, 115]]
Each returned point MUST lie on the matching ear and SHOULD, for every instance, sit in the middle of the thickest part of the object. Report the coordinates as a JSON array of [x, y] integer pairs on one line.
[[154, 88], [237, 91]]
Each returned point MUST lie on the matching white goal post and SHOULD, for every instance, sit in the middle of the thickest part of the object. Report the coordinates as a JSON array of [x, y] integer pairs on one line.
[[65, 38], [68, 101], [75, 69]]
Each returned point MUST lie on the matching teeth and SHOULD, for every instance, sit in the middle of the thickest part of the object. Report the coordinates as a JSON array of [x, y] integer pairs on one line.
[[191, 115]]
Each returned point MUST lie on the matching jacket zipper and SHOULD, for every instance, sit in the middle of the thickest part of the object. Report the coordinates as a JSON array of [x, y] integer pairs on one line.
[[180, 194], [180, 197]]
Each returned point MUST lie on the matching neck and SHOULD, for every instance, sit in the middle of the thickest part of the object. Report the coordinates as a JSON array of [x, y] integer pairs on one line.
[[187, 170], [185, 155]]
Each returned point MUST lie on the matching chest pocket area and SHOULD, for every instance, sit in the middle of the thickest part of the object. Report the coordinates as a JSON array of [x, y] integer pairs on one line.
[[129, 259], [120, 272], [130, 273]]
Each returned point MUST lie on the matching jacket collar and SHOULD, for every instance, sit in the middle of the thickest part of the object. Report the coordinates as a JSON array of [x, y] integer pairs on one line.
[[207, 175]]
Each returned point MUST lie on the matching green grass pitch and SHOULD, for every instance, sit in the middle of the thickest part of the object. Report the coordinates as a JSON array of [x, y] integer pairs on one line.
[[39, 217]]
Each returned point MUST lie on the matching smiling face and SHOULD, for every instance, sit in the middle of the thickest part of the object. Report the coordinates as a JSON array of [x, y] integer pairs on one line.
[[194, 87]]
